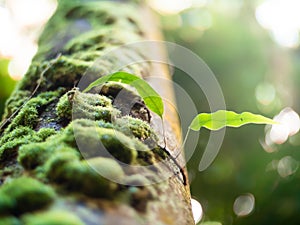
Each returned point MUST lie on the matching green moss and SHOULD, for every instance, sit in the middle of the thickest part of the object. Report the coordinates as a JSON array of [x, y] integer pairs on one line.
[[80, 177], [104, 124], [112, 89], [10, 141], [31, 78], [137, 180], [28, 115], [136, 127], [16, 100], [88, 141], [25, 195], [20, 135], [57, 159], [97, 137], [64, 107], [17, 133], [44, 133], [118, 144], [125, 99], [107, 167], [52, 218], [54, 167], [85, 105], [6, 204], [67, 69], [96, 141], [86, 40], [93, 106], [65, 136], [88, 55], [9, 221], [146, 158], [36, 154]]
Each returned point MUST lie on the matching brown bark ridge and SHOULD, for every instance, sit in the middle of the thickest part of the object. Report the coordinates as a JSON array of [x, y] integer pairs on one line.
[[69, 157]]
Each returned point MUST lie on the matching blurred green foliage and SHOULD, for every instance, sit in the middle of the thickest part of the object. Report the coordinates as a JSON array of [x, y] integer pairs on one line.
[[7, 84], [240, 53]]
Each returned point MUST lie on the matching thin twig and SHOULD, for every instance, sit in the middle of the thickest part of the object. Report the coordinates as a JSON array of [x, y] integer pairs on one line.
[[184, 178], [164, 132], [50, 64]]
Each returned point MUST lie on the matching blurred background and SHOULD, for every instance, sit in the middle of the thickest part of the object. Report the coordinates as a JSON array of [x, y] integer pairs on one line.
[[252, 47]]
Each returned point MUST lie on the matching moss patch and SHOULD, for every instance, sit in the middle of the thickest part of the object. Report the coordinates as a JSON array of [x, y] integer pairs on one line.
[[24, 195], [75, 104], [29, 113], [21, 136], [51, 154], [15, 101], [36, 154], [52, 218], [65, 70], [135, 127], [9, 221], [106, 167], [95, 141], [44, 133], [54, 166], [10, 142], [80, 177], [20, 130]]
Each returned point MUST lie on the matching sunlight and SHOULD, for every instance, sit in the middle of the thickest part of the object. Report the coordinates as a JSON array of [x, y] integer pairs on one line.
[[282, 18], [244, 205], [19, 22], [9, 34], [289, 125], [197, 210], [20, 63], [198, 19], [170, 6], [31, 12], [265, 93], [287, 166]]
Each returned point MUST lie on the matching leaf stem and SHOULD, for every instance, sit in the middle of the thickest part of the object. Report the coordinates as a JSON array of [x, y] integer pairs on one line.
[[183, 144], [164, 132]]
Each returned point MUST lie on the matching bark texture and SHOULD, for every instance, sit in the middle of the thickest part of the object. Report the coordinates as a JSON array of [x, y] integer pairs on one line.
[[50, 156]]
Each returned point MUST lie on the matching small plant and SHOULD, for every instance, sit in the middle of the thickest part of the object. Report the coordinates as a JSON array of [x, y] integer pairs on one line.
[[211, 121], [151, 98]]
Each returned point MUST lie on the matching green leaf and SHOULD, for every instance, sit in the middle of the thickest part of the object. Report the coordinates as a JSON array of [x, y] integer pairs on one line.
[[223, 118], [151, 98]]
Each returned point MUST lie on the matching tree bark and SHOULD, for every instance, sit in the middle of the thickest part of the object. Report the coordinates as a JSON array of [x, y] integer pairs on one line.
[[69, 157]]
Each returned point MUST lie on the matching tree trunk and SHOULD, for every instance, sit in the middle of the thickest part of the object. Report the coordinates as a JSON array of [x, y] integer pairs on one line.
[[69, 157]]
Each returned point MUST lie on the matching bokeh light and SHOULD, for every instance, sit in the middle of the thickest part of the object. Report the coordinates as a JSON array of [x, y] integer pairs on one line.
[[21, 61], [20, 24], [199, 19], [282, 18], [170, 6], [197, 210], [9, 34], [31, 13], [265, 93], [287, 166], [288, 125], [244, 205]]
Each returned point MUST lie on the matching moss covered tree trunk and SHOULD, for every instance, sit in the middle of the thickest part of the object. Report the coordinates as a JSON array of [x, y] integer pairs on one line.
[[69, 157]]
